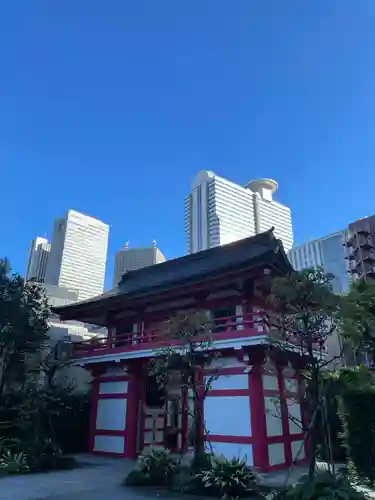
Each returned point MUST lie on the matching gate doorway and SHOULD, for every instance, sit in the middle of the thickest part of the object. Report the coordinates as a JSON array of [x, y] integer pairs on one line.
[[164, 417]]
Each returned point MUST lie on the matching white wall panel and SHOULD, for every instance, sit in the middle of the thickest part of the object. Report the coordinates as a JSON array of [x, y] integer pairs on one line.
[[113, 387], [233, 450], [298, 450], [240, 381], [227, 363], [276, 453], [111, 414], [273, 416], [295, 422], [109, 444], [270, 382], [228, 415], [291, 385]]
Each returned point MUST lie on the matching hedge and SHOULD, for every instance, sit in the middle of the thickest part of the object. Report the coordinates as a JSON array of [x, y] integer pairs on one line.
[[357, 408]]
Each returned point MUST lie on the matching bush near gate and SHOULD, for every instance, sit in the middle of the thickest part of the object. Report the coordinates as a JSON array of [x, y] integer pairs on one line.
[[40, 426], [358, 414], [229, 478], [323, 486], [154, 467], [217, 476]]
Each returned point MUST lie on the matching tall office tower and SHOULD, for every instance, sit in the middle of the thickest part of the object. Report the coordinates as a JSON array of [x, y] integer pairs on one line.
[[327, 252], [129, 259], [218, 211], [78, 254], [360, 248], [37, 259]]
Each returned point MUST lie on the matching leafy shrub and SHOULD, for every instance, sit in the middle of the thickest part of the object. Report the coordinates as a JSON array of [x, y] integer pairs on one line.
[[229, 478], [138, 478], [41, 414], [202, 461], [12, 444], [45, 455], [182, 480], [358, 414], [14, 463], [154, 466], [324, 486]]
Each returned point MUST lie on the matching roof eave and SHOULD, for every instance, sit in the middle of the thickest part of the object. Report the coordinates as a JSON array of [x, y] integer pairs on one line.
[[77, 311]]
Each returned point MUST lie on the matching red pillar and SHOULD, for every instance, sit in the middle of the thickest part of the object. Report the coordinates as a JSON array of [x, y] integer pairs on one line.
[[258, 419], [93, 412], [111, 334], [131, 424], [284, 418]]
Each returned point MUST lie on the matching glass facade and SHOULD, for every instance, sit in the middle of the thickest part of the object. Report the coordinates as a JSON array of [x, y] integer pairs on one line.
[[334, 261], [328, 252]]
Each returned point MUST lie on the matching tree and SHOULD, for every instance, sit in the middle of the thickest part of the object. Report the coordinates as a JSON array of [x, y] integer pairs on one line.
[[189, 356], [24, 316], [52, 359], [306, 315], [358, 317]]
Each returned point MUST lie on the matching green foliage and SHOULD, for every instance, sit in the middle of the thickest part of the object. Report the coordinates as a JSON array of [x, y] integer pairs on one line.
[[358, 414], [349, 377], [324, 486], [306, 314], [358, 316], [182, 365], [154, 466], [36, 426], [138, 478], [307, 309], [12, 444], [202, 461], [14, 463], [60, 415], [229, 478], [45, 424], [24, 314]]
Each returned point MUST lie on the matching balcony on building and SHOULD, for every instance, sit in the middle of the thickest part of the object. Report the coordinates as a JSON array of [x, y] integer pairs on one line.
[[211, 282], [359, 237]]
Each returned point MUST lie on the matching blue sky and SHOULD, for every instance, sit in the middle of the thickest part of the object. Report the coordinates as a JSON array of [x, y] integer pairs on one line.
[[110, 108]]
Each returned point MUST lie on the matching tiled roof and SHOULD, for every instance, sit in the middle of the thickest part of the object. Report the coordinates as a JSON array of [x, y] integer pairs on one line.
[[249, 251]]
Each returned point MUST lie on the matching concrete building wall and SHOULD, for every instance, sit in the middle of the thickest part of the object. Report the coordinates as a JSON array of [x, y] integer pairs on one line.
[[61, 335], [37, 259], [218, 211], [78, 254], [60, 296], [130, 259]]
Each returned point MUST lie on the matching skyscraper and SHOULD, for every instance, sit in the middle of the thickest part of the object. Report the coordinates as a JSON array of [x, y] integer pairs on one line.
[[78, 254], [129, 259], [218, 211], [37, 259], [328, 252]]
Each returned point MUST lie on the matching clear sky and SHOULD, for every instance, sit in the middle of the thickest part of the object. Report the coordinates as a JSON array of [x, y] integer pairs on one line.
[[111, 108]]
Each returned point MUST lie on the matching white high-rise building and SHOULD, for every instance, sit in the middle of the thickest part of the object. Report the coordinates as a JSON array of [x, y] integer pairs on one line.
[[78, 254], [130, 259], [328, 252], [218, 211], [37, 259]]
